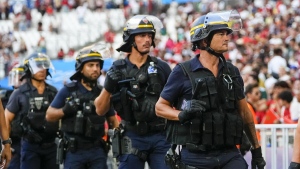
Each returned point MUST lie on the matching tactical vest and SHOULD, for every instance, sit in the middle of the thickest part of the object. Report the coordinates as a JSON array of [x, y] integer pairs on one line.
[[220, 124], [86, 123], [137, 91], [38, 105], [16, 130]]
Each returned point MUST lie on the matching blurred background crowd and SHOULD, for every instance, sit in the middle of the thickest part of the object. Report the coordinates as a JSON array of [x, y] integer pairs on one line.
[[266, 50]]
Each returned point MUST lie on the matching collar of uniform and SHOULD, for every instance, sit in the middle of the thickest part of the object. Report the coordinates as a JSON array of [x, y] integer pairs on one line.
[[196, 64], [81, 88], [133, 65]]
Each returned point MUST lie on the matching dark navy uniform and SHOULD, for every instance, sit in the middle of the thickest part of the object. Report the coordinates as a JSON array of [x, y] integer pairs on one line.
[[208, 142], [15, 162], [38, 147], [144, 131], [85, 146]]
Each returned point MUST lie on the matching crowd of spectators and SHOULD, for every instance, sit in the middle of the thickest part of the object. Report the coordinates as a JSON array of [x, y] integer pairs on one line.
[[266, 50]]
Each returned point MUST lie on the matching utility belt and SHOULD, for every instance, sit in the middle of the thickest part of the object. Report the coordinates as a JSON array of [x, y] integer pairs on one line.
[[74, 144], [204, 148], [142, 128], [42, 143]]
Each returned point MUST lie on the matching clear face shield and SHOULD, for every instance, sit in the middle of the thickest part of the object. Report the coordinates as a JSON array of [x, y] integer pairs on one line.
[[232, 18], [103, 49], [40, 62], [14, 76], [134, 23]]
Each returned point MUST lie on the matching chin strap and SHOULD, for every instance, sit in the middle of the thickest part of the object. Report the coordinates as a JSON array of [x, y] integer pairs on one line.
[[142, 53]]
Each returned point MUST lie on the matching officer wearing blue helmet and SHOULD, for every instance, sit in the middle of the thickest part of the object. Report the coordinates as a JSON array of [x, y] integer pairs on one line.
[[133, 86], [14, 77], [29, 103], [211, 110], [82, 145]]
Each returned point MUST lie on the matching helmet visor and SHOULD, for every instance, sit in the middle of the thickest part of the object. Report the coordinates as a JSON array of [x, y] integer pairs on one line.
[[103, 49], [134, 23], [14, 76], [232, 18], [39, 63]]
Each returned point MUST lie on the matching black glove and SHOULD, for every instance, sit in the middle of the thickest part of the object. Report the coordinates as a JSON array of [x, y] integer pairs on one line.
[[191, 109], [294, 165], [112, 78], [70, 108], [257, 159]]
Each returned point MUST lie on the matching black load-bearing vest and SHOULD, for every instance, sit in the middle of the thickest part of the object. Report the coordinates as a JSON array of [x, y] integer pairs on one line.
[[86, 123], [143, 86], [220, 124], [35, 116]]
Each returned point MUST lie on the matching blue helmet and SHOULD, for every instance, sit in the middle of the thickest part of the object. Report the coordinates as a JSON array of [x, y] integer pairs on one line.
[[139, 24], [36, 62], [203, 26], [88, 54]]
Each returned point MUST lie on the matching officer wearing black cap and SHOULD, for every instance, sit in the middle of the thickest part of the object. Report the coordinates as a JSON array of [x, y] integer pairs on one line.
[[14, 77], [29, 103], [134, 84], [211, 110], [82, 128]]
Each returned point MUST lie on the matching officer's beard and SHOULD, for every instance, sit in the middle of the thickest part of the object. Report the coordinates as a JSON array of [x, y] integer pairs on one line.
[[89, 81]]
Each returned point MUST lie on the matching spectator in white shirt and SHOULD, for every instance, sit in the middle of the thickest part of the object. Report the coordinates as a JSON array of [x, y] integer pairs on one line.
[[295, 105]]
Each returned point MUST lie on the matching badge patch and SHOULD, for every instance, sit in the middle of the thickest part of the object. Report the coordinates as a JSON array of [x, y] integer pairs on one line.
[[38, 101]]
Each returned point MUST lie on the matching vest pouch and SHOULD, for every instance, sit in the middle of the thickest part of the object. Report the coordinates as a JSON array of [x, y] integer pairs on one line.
[[68, 124], [195, 131], [230, 128], [201, 92], [16, 128], [176, 133], [51, 127], [213, 93], [239, 130], [36, 120], [94, 127], [207, 128], [227, 99], [218, 125]]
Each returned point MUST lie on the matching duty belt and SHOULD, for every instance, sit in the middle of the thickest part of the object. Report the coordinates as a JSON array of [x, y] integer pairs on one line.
[[143, 127], [87, 145], [203, 148]]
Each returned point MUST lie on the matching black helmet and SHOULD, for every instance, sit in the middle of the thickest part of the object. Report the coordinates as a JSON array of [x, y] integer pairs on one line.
[[15, 75], [90, 53], [139, 24], [204, 25], [36, 62]]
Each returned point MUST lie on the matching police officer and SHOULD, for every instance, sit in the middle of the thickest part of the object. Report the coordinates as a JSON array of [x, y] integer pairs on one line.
[[29, 103], [135, 84], [14, 77], [211, 110], [6, 141], [82, 128]]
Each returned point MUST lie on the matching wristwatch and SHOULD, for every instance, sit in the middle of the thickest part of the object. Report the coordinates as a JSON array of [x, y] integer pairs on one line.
[[8, 141]]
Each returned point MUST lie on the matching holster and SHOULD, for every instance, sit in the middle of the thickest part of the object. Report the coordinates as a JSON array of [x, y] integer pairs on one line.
[[172, 159], [60, 154], [116, 137]]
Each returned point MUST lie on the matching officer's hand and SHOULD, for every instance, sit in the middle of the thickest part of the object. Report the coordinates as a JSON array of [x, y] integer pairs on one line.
[[112, 78], [191, 109], [257, 159], [70, 108], [294, 165]]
